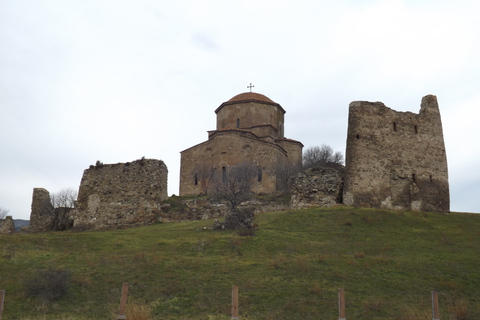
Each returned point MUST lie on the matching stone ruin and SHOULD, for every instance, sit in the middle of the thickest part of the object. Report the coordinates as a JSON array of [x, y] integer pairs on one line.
[[7, 226], [320, 186], [44, 217], [122, 194], [394, 160]]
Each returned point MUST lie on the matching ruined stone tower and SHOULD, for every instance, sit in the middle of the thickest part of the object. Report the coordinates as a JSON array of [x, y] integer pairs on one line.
[[396, 160]]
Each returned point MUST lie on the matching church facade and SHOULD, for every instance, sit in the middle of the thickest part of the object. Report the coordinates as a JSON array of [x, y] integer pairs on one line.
[[250, 128]]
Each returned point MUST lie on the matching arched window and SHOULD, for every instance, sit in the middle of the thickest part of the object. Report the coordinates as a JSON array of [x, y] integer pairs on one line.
[[238, 123], [259, 175]]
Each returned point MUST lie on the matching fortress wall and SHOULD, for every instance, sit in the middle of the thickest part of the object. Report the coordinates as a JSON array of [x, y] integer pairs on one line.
[[121, 194], [396, 160]]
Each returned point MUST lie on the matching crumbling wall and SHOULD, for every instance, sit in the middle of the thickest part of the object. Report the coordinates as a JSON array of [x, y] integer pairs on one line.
[[318, 186], [396, 160], [116, 195], [7, 226], [42, 214]]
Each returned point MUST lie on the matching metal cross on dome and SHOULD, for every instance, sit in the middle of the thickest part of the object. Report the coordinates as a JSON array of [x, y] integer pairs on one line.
[[250, 86]]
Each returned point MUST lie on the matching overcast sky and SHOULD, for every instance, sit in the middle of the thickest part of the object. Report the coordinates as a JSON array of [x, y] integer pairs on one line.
[[114, 81]]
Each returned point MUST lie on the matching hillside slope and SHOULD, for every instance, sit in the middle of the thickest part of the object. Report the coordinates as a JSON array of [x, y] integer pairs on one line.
[[388, 262]]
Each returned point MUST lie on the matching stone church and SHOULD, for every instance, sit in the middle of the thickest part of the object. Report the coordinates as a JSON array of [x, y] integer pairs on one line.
[[250, 128]]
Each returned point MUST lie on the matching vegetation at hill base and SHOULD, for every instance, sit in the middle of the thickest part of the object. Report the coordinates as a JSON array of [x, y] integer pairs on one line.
[[388, 263]]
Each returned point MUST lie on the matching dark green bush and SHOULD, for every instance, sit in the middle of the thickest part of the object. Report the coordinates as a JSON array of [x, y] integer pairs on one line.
[[48, 285]]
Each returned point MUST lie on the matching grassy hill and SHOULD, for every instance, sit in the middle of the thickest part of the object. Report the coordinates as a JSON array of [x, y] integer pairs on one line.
[[387, 262]]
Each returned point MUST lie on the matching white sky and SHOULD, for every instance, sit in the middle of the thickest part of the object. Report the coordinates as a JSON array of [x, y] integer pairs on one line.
[[89, 80]]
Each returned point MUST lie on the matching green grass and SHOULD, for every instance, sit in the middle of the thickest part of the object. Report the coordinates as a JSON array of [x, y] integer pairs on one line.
[[387, 262]]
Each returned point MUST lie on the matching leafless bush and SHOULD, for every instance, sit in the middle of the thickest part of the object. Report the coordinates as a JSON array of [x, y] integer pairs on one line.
[[65, 198], [48, 285], [314, 156], [3, 213], [204, 175], [234, 184], [284, 174]]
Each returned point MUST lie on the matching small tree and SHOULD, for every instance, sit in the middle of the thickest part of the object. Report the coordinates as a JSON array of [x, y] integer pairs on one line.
[[3, 213], [234, 184], [284, 172], [65, 198], [321, 155], [203, 175]]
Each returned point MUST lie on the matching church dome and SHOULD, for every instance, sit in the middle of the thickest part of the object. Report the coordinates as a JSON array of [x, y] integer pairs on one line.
[[250, 96], [247, 97]]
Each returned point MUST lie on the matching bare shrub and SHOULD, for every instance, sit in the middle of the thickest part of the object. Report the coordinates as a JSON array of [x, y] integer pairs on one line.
[[204, 175], [3, 213], [315, 156], [284, 174], [138, 310], [48, 285], [371, 308], [234, 184], [246, 232], [64, 198]]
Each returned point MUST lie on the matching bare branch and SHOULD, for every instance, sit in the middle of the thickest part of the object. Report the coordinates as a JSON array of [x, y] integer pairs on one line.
[[234, 184], [3, 213], [314, 156], [65, 198], [284, 173], [203, 175]]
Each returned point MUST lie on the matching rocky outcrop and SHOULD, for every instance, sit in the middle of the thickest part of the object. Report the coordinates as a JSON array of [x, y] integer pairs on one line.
[[319, 187], [7, 226], [122, 194]]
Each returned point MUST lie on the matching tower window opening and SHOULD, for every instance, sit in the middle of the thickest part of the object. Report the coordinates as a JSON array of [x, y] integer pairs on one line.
[[416, 129], [196, 179], [414, 178], [259, 175], [238, 123], [224, 173], [358, 136], [431, 178], [394, 126]]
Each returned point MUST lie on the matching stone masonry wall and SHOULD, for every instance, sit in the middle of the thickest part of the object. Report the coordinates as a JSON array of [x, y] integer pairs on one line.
[[122, 194], [321, 186], [42, 214], [396, 160], [7, 226]]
